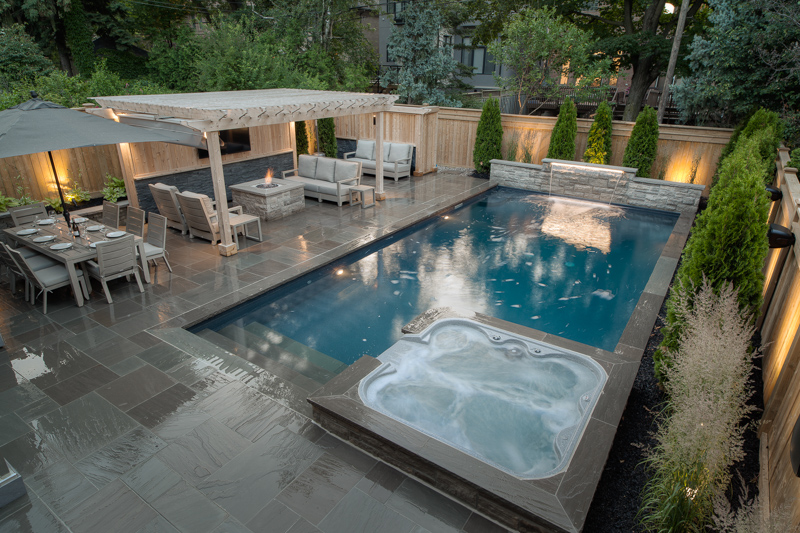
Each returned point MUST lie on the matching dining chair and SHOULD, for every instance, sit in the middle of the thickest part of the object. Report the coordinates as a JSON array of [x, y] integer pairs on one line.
[[47, 279], [25, 214], [156, 244], [110, 215], [115, 259], [134, 221], [35, 260]]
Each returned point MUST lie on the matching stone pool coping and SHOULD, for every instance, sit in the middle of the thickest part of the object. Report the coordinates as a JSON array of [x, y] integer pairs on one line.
[[559, 503]]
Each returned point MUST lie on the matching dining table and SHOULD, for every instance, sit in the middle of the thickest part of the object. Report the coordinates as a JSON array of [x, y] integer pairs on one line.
[[56, 240]]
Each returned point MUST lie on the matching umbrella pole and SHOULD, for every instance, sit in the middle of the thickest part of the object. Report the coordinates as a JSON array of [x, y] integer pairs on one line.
[[58, 185]]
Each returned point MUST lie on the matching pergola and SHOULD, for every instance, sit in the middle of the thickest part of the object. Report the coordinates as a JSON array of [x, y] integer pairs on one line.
[[202, 116]]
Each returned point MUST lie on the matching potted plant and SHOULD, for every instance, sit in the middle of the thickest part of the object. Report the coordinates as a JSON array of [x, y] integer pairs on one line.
[[114, 189]]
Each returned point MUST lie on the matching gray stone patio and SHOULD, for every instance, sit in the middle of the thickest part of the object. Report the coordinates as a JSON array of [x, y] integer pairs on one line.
[[119, 420]]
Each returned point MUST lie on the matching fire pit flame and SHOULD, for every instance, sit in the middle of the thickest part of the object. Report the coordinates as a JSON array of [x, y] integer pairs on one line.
[[267, 181]]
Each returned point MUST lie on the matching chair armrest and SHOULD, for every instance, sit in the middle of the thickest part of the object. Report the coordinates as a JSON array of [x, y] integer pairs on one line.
[[346, 154], [235, 209], [284, 173]]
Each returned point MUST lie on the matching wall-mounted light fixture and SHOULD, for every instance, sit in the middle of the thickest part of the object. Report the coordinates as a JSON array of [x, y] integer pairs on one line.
[[775, 193], [779, 237]]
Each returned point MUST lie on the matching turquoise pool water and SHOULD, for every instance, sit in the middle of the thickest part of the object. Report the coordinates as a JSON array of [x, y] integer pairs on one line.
[[572, 268]]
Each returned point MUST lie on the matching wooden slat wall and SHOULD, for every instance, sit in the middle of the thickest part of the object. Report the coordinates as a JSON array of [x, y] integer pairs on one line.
[[86, 167], [780, 333], [154, 159], [682, 150], [404, 124]]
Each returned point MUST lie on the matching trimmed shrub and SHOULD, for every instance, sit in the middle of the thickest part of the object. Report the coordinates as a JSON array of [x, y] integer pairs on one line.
[[301, 137], [728, 243], [326, 128], [642, 147], [562, 139], [489, 137], [701, 436], [757, 121], [598, 147]]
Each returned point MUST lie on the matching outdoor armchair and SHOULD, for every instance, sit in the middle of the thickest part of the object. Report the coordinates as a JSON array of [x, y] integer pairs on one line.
[[115, 259], [201, 218], [47, 278]]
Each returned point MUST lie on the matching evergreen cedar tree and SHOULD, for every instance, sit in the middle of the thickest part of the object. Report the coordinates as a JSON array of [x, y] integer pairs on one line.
[[562, 139], [327, 136], [640, 153], [489, 137], [301, 137], [598, 146], [729, 241]]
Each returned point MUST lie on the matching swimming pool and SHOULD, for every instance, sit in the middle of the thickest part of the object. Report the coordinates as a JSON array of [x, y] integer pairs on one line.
[[568, 267]]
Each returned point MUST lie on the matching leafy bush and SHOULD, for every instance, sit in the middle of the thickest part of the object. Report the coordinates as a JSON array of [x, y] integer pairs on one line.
[[708, 387], [728, 243], [795, 159], [114, 189], [21, 59], [6, 202], [643, 145], [562, 139], [301, 137], [489, 137], [598, 146], [326, 128], [76, 193], [54, 204], [79, 38], [125, 64]]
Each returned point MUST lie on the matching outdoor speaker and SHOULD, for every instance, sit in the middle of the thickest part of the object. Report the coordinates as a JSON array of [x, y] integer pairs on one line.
[[794, 448], [779, 237], [775, 193]]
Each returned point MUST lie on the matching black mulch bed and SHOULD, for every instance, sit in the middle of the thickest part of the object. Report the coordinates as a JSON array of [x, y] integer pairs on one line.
[[617, 498]]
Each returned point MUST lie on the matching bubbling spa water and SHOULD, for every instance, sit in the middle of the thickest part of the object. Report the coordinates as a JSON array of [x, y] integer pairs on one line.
[[517, 404]]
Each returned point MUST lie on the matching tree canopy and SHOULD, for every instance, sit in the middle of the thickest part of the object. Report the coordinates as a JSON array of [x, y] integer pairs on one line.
[[749, 57], [426, 66], [541, 47], [633, 34]]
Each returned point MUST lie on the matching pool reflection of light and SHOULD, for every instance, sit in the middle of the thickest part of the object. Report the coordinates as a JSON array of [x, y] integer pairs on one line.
[[580, 224]]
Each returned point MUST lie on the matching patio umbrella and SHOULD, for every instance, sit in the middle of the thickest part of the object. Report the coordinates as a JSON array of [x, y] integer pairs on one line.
[[40, 126]]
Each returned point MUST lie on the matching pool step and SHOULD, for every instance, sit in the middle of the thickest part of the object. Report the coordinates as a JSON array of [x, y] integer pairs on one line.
[[234, 340], [319, 359]]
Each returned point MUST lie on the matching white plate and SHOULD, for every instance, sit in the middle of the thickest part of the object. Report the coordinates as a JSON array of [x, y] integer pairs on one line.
[[94, 244], [44, 238], [79, 220], [61, 246], [46, 221], [27, 232], [94, 228], [114, 234]]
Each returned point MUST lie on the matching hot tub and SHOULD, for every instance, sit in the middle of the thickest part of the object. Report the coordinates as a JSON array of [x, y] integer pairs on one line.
[[514, 403]]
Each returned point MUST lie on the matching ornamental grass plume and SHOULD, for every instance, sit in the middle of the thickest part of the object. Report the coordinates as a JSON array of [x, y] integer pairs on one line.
[[701, 435], [752, 516]]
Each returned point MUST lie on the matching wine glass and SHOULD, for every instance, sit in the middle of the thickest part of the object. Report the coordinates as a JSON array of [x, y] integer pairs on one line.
[[35, 220]]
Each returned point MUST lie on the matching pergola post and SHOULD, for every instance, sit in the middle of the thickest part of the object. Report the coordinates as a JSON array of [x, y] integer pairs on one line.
[[226, 245], [379, 194], [126, 165]]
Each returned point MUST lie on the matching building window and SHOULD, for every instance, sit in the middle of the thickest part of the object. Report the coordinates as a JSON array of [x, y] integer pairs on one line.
[[396, 9], [473, 57]]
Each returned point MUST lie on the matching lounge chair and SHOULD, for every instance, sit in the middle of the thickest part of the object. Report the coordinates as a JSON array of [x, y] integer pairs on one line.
[[168, 206], [201, 218]]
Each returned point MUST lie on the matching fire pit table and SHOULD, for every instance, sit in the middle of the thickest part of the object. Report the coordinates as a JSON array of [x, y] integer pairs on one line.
[[269, 200]]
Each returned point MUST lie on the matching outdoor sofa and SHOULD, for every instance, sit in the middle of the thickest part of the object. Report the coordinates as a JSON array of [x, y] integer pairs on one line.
[[396, 158], [325, 178]]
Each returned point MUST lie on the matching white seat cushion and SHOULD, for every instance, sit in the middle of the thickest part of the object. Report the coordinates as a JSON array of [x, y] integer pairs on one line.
[[365, 150], [326, 168], [307, 166], [150, 250], [330, 188], [54, 275], [38, 262], [399, 152]]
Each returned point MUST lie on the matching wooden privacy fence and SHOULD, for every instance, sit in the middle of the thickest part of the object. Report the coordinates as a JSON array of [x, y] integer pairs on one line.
[[686, 154], [441, 137], [780, 335]]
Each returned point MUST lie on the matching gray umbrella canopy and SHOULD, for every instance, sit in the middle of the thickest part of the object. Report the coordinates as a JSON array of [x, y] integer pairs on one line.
[[40, 126]]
